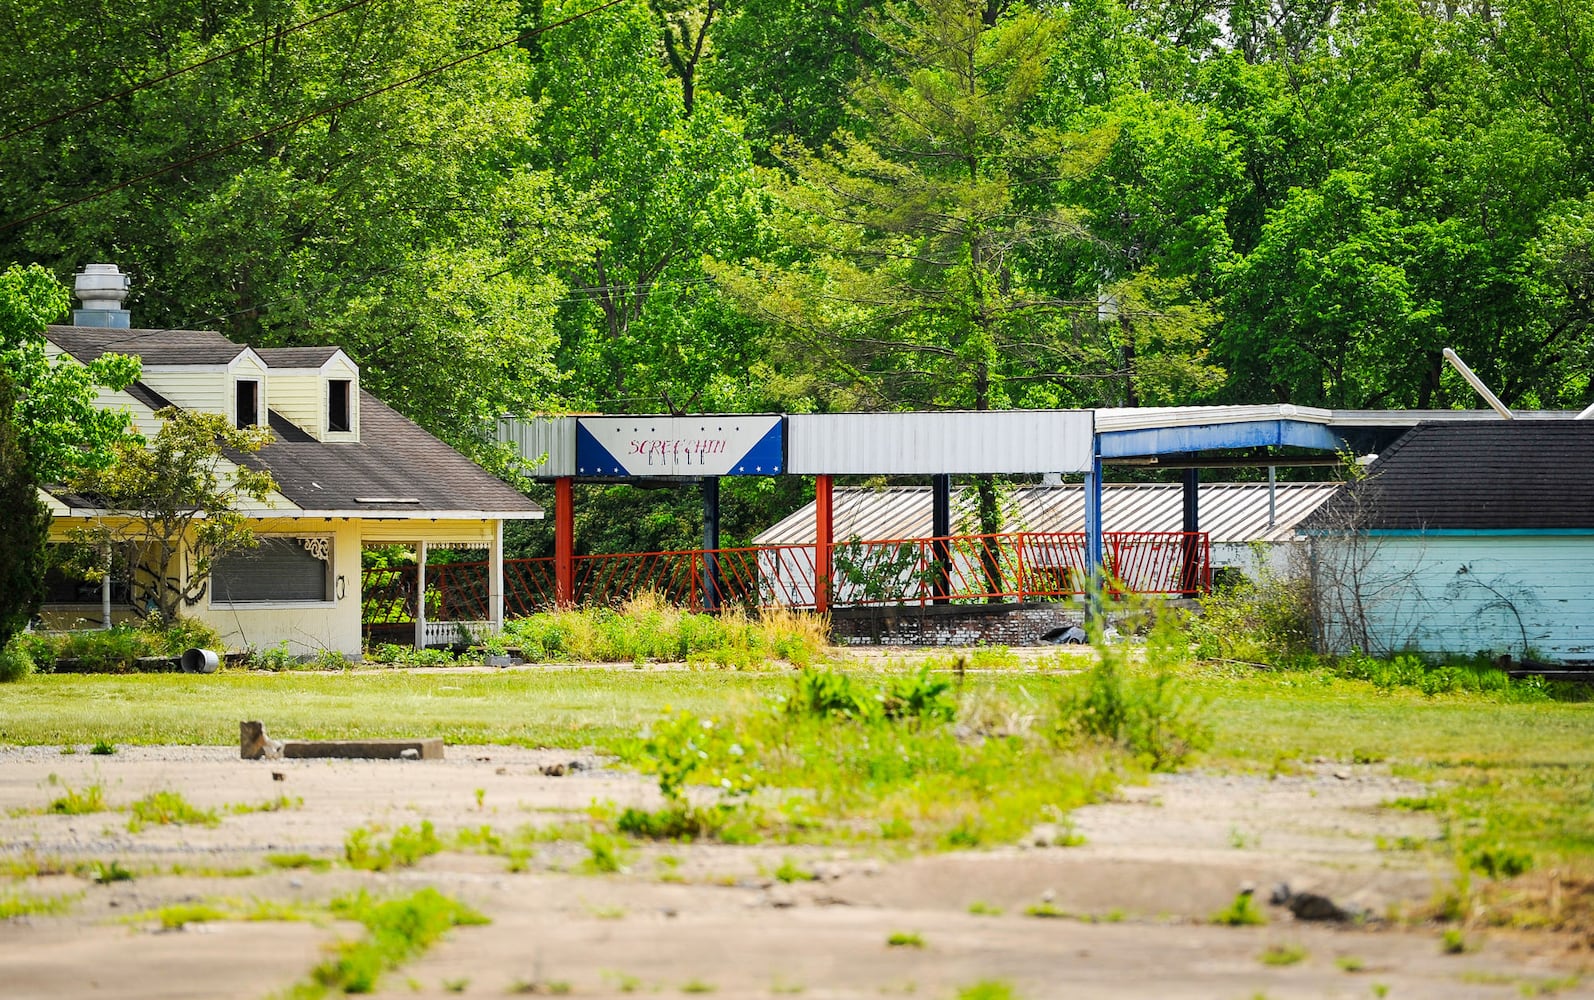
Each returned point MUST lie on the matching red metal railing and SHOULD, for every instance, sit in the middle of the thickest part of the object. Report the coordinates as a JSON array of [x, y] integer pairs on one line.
[[962, 568]]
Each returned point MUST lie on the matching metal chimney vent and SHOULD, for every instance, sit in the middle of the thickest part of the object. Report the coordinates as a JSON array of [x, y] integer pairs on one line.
[[101, 288]]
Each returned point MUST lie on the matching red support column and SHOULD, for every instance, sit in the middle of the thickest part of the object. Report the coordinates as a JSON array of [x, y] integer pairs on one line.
[[564, 542], [822, 543]]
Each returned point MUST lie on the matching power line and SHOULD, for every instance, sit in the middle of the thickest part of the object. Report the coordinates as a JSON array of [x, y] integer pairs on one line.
[[296, 122], [145, 85]]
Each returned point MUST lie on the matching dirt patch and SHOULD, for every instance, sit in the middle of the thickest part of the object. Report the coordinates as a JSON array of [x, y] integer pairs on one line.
[[1128, 905]]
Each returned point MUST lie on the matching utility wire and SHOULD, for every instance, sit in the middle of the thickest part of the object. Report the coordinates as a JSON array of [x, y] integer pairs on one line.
[[296, 122], [146, 84]]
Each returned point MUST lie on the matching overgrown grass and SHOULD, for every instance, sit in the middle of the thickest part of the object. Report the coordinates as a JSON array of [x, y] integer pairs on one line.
[[646, 628]]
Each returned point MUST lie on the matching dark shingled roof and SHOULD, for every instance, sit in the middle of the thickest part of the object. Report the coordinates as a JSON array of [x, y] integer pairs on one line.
[[295, 357], [156, 347], [1510, 474], [394, 459]]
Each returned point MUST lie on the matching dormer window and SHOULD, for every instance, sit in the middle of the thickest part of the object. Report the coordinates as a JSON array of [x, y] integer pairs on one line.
[[248, 402], [339, 416]]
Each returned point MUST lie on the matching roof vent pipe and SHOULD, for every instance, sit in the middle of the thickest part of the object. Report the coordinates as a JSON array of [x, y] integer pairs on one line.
[[101, 288], [1477, 383]]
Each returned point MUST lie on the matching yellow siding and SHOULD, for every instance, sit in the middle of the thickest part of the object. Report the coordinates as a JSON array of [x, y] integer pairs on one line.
[[192, 388], [302, 399]]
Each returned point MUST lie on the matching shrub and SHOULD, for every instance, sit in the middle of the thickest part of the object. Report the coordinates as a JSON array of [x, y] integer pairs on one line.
[[1265, 620], [1149, 717], [15, 663]]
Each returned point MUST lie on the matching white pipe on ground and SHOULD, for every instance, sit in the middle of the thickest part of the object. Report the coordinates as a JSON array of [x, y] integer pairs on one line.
[[1477, 384]]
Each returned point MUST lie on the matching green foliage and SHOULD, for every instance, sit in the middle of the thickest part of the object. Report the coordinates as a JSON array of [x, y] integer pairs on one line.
[[15, 663], [24, 529], [833, 694], [15, 904], [102, 748], [988, 989], [81, 801], [606, 855], [116, 650], [397, 930], [51, 403], [176, 497], [905, 939], [1242, 912], [1261, 621], [1283, 954], [1151, 717], [363, 849], [168, 807], [645, 628]]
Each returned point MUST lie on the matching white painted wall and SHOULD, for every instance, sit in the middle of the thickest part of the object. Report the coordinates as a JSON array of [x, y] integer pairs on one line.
[[301, 397], [1461, 594]]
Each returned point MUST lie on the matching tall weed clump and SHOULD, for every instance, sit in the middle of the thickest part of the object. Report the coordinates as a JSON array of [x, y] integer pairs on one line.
[[646, 628], [1266, 620], [908, 757], [1145, 712]]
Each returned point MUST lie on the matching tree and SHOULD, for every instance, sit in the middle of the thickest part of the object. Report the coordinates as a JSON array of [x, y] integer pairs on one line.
[[654, 189], [388, 218], [176, 506], [60, 429], [49, 428], [908, 283], [24, 525]]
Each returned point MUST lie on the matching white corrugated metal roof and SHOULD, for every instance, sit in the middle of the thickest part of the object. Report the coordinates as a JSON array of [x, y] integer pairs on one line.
[[948, 441], [1229, 512]]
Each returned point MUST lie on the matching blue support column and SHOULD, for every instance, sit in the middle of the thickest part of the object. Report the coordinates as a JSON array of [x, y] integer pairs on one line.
[[1093, 546]]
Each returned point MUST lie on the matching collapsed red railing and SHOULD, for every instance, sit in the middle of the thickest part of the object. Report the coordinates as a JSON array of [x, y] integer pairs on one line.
[[1018, 566]]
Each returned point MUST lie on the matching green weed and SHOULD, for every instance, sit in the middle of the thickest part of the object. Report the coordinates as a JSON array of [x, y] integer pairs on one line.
[[983, 909], [1243, 912], [790, 871], [167, 808], [1283, 954], [1350, 963], [102, 748], [988, 989], [606, 855], [24, 904], [1453, 941], [300, 861], [407, 846], [905, 939], [80, 801], [397, 930]]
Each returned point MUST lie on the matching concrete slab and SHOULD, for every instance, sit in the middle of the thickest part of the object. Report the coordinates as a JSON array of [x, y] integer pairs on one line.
[[426, 749]]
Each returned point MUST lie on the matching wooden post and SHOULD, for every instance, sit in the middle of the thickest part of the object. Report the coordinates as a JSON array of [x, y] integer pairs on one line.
[[564, 542], [495, 579], [420, 595], [823, 528]]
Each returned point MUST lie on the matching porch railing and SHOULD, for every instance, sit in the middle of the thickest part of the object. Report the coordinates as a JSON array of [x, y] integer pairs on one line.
[[1018, 566]]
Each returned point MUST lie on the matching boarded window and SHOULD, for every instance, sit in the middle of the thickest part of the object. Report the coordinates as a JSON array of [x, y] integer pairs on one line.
[[278, 569], [248, 402], [338, 416]]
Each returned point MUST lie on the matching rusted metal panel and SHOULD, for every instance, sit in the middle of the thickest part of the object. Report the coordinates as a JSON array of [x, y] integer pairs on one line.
[[957, 442]]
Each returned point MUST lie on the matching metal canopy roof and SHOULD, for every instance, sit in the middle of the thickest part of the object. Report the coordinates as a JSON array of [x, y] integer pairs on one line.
[[1033, 441]]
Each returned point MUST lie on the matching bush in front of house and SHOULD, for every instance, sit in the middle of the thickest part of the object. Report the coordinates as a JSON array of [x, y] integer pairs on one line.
[[115, 650]]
